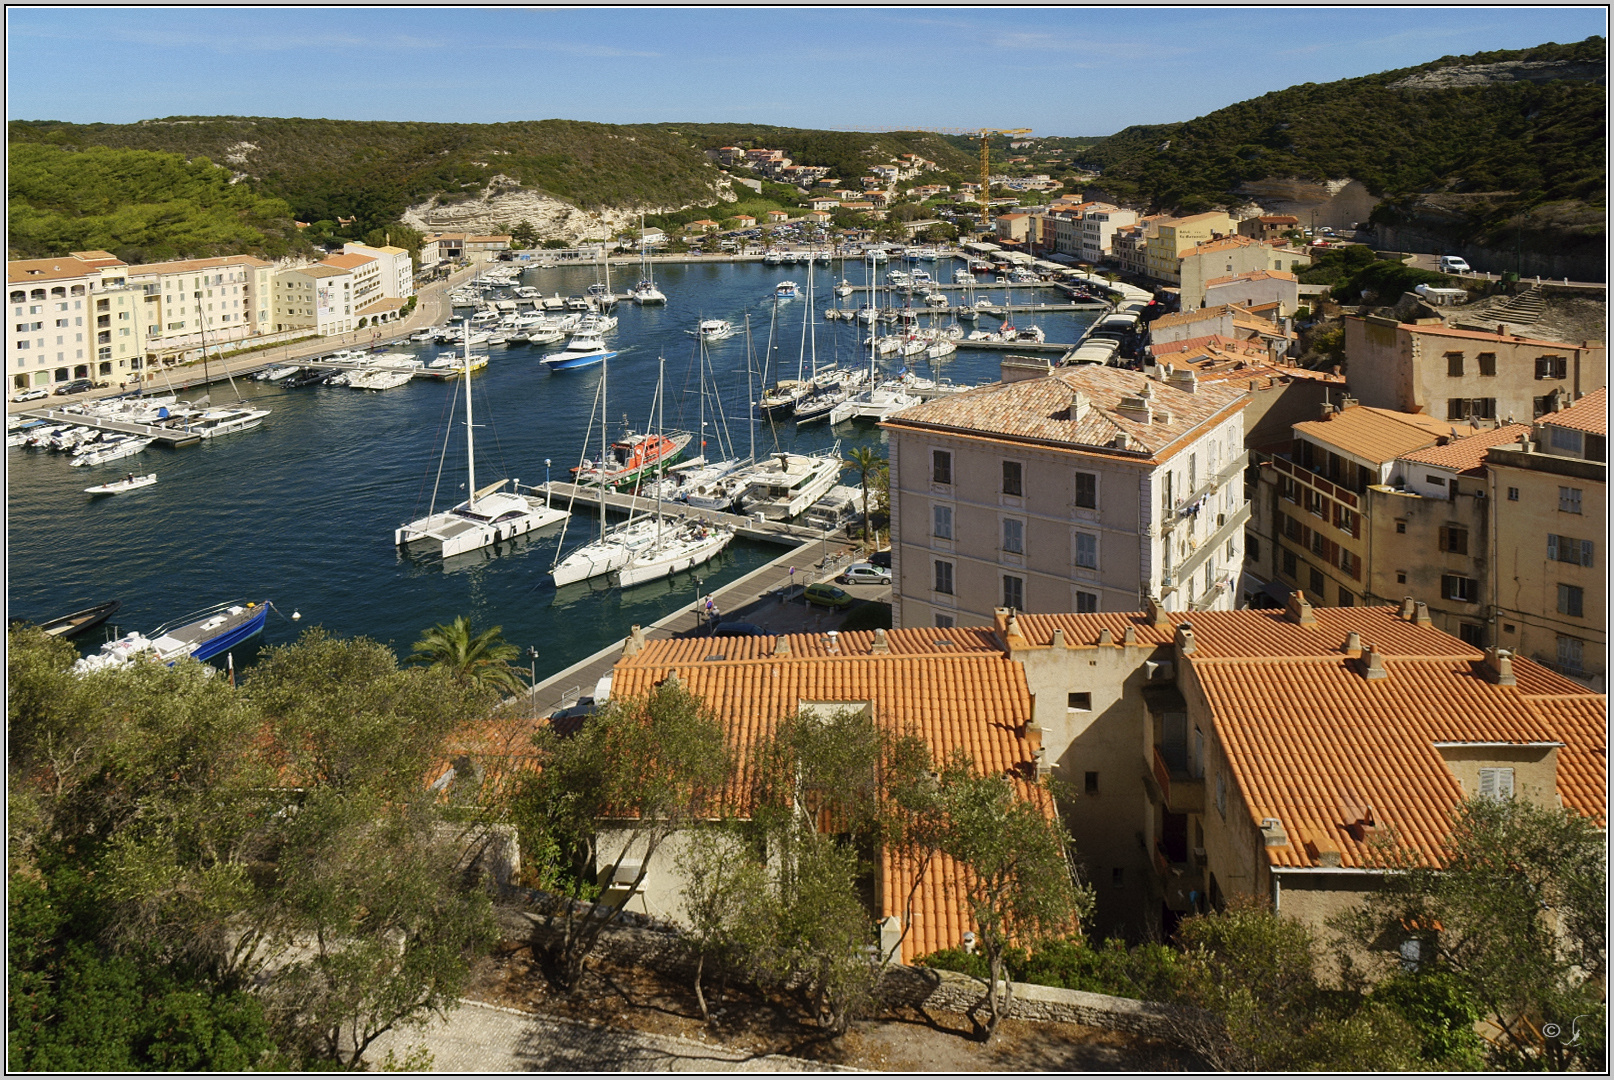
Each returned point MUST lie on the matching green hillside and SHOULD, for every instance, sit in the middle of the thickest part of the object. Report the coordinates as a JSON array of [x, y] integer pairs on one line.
[[1539, 141], [849, 153]]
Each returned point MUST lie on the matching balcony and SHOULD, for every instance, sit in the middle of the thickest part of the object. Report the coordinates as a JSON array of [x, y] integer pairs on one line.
[[1178, 791]]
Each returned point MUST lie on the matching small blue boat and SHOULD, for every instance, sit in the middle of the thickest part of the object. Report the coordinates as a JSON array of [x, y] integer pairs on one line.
[[201, 634]]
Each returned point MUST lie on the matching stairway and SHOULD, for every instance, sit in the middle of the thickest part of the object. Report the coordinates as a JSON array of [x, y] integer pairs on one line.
[[1520, 310]]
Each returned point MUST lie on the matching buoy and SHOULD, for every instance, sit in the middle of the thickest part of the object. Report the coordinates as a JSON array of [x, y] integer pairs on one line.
[[296, 615]]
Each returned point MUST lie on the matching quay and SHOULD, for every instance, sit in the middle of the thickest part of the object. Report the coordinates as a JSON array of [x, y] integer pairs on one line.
[[168, 436], [560, 493], [1017, 346]]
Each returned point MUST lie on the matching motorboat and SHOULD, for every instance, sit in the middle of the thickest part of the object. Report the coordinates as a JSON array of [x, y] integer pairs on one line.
[[487, 517], [843, 288], [379, 378], [713, 330], [940, 348], [74, 624], [633, 457], [118, 487], [786, 484], [202, 635], [963, 277], [277, 372], [785, 290], [215, 422], [581, 351], [112, 451], [443, 372]]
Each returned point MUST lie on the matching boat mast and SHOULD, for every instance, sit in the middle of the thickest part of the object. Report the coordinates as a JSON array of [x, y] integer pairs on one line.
[[470, 438], [809, 316], [750, 392], [661, 424], [806, 319], [600, 473]]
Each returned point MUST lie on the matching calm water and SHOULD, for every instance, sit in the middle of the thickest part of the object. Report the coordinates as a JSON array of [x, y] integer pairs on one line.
[[301, 511]]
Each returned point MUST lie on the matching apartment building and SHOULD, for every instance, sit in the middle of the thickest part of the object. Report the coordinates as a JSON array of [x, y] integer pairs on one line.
[[316, 298], [1098, 224], [1219, 258], [1275, 293], [72, 317], [1171, 237], [1083, 489], [1428, 367], [189, 302], [1548, 500], [397, 271], [1268, 226]]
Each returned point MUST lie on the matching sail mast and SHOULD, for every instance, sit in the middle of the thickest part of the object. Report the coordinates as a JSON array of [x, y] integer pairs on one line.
[[470, 441], [809, 316], [750, 392], [600, 473]]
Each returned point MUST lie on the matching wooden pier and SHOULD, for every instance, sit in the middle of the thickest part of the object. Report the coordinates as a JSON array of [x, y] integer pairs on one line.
[[168, 436], [560, 493], [1017, 346]]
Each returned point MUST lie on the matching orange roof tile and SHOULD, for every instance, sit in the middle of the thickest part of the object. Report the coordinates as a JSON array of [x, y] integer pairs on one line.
[[1379, 435], [21, 271], [349, 262], [1252, 275], [1468, 453], [1186, 318], [1485, 335], [1590, 413], [1222, 243]]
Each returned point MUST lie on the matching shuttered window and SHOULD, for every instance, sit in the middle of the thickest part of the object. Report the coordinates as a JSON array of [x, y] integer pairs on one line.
[[1496, 783]]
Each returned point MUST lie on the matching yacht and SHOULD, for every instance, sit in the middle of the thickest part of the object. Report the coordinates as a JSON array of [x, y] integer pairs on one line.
[[682, 547], [963, 277], [785, 290], [633, 457], [843, 288], [379, 378], [647, 293], [581, 351], [781, 399], [713, 329], [787, 484], [215, 422], [202, 634]]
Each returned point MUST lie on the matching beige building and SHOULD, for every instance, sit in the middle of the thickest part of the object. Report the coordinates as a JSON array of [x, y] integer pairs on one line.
[[1220, 258], [316, 298], [1171, 237], [1267, 292], [1015, 227], [1548, 499], [1099, 222], [50, 306], [1086, 489], [1428, 367], [191, 302], [397, 271]]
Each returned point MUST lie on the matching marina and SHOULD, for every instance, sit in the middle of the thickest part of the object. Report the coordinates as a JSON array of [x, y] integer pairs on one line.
[[304, 508]]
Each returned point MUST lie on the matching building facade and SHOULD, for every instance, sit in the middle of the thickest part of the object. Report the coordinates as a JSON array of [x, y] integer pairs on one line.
[[191, 302], [49, 305], [1081, 490], [316, 298], [1220, 258], [1173, 236], [397, 270], [1099, 223]]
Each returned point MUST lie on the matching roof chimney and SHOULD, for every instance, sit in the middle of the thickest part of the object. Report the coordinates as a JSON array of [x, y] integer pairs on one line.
[[1421, 616], [1130, 638], [1499, 666], [1272, 832], [1158, 615], [1079, 404], [635, 642], [781, 646], [1014, 626], [1184, 638], [1105, 637], [1373, 666], [1327, 410], [1353, 642], [1299, 609], [1059, 638], [879, 645], [1407, 608]]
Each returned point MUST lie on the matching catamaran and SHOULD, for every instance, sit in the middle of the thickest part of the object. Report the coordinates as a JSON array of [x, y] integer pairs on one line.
[[488, 516], [646, 292]]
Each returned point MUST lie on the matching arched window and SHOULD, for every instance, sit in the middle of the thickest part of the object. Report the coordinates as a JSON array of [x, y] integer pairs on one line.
[[59, 292], [37, 294], [82, 371], [18, 296], [60, 374]]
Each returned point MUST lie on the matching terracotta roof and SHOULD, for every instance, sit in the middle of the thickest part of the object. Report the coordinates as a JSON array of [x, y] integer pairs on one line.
[[1468, 452], [25, 270], [1378, 435], [349, 262], [1486, 335], [1223, 243], [1590, 413], [1187, 318], [185, 266], [1253, 275], [1038, 410], [321, 270]]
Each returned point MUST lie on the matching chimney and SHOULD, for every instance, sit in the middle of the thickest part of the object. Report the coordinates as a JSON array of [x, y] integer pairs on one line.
[[635, 642], [1079, 404], [1321, 848], [1373, 664], [879, 645], [1184, 638], [1353, 642], [1407, 608], [1014, 627], [1348, 402], [1059, 638], [1327, 410], [1130, 638], [1501, 329], [1105, 637], [1272, 832], [781, 646], [1299, 610], [1421, 617], [1499, 667], [1158, 615]]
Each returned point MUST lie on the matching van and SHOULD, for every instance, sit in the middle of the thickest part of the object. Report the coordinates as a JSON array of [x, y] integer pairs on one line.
[[1451, 264]]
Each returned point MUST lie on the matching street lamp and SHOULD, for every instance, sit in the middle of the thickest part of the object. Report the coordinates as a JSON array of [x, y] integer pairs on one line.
[[546, 476], [532, 690]]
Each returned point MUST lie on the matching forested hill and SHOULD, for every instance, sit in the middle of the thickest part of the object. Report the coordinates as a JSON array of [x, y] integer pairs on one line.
[[849, 153], [1528, 122]]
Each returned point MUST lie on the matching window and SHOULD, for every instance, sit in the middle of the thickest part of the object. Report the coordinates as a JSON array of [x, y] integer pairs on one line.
[[1086, 602], [1487, 363], [1193, 473], [1221, 792], [1400, 577], [1252, 549], [1289, 566], [1014, 592], [1541, 405], [1473, 633], [944, 577], [1551, 367], [1081, 702], [1454, 365], [1571, 653], [1566, 439], [1571, 600], [1014, 536], [1456, 587], [1090, 783], [1315, 504], [1345, 597], [1012, 479], [1087, 490], [1345, 519], [1496, 783], [1568, 500], [941, 522], [944, 622], [1513, 494], [1401, 526], [1470, 408], [1596, 447], [1453, 540], [1087, 550], [1568, 549], [941, 467], [1317, 582]]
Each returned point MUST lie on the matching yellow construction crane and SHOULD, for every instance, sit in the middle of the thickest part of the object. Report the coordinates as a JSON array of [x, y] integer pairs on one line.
[[985, 135]]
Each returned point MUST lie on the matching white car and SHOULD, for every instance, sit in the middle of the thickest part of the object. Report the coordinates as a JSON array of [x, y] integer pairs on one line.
[[30, 395], [1451, 264]]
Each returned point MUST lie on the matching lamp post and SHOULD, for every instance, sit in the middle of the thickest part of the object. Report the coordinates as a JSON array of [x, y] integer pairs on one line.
[[546, 476], [532, 690]]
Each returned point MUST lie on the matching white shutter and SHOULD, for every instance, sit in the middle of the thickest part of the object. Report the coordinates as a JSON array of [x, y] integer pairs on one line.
[[1496, 783], [1552, 546]]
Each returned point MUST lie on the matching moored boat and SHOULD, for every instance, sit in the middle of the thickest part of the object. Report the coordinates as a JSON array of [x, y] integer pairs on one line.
[[118, 487], [71, 625], [202, 634]]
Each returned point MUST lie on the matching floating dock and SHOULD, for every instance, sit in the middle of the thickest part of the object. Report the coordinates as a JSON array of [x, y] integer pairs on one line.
[[168, 436], [573, 496]]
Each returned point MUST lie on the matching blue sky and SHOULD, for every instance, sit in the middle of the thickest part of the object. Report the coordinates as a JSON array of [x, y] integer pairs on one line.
[[1060, 71]]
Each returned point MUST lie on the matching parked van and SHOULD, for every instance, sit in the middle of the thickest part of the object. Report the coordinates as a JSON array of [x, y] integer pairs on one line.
[[1451, 264]]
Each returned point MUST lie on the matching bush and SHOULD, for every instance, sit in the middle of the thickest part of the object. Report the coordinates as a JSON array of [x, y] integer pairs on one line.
[[1441, 1012]]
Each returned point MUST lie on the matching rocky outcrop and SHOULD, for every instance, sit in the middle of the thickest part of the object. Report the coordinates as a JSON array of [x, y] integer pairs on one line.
[[1336, 203], [1564, 239], [504, 203], [1462, 75]]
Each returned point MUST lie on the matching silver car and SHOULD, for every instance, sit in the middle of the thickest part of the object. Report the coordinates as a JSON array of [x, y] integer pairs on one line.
[[865, 574]]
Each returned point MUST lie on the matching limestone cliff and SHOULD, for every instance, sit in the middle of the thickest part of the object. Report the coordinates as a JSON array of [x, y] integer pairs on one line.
[[504, 203]]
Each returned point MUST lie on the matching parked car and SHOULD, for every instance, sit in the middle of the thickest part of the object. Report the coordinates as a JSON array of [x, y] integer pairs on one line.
[[738, 629], [1451, 264], [881, 558], [827, 595], [865, 574], [30, 395], [77, 386]]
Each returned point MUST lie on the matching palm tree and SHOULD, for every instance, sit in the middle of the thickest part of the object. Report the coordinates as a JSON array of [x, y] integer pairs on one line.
[[866, 462], [481, 659]]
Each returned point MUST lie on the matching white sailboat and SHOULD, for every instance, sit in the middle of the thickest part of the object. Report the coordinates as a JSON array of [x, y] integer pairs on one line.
[[646, 291], [488, 516]]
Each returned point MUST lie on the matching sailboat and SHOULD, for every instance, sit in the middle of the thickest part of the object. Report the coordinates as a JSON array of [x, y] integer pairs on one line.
[[646, 291], [488, 516], [677, 546]]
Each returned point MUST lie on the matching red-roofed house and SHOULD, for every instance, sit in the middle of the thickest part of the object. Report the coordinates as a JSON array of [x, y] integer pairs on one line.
[[1261, 291]]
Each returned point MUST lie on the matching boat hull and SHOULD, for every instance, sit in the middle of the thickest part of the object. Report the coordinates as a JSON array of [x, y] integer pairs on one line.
[[655, 569], [561, 362], [244, 631], [448, 534]]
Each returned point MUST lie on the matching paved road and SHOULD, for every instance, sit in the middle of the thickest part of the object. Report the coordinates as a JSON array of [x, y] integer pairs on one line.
[[478, 1038]]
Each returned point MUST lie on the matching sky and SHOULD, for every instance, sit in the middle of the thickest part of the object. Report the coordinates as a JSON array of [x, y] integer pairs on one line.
[[1058, 71]]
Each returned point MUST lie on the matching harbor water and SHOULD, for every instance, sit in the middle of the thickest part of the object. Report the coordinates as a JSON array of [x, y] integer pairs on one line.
[[301, 511]]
